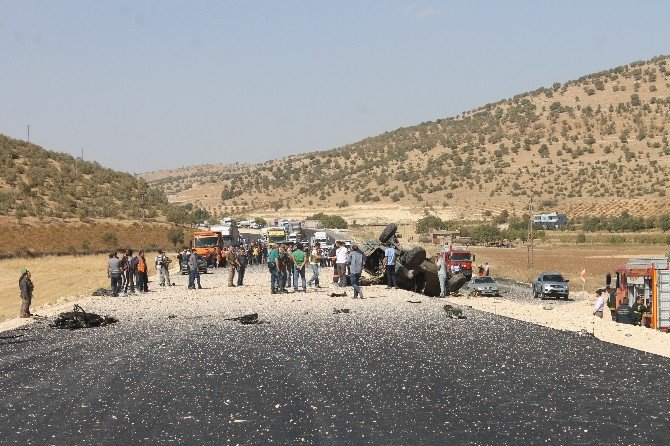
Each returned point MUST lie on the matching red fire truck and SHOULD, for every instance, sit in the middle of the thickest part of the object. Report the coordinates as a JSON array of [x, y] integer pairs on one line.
[[459, 260]]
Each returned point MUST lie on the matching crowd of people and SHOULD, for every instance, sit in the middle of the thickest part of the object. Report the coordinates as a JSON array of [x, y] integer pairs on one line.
[[623, 313]]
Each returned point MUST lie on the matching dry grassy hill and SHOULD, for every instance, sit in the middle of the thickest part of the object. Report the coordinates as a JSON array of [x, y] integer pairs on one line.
[[35, 182], [594, 146]]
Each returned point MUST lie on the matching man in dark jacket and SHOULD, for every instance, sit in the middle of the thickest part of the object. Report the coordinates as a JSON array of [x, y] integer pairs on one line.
[[611, 301], [26, 287], [624, 314], [242, 261]]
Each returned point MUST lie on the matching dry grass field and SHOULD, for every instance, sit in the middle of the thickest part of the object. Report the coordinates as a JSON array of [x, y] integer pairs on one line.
[[55, 279]]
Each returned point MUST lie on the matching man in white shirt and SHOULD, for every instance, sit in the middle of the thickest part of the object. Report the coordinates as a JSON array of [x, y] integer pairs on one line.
[[341, 255], [389, 262], [600, 304]]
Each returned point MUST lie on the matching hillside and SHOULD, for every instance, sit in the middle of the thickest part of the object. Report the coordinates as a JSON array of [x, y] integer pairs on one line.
[[39, 183], [594, 146]]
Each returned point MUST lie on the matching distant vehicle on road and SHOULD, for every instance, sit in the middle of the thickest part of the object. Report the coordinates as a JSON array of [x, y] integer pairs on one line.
[[483, 286], [550, 285]]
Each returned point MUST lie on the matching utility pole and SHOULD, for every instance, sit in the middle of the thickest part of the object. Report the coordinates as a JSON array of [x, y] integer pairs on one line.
[[530, 233], [28, 133]]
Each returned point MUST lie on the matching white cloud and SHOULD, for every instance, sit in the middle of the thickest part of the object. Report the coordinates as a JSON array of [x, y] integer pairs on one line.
[[416, 9], [428, 12]]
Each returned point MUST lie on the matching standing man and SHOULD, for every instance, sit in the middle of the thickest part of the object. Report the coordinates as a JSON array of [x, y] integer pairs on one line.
[[276, 282], [314, 261], [442, 274], [114, 273], [158, 263], [242, 260], [143, 270], [611, 301], [624, 314], [283, 263], [165, 271], [600, 304], [128, 271], [193, 273], [389, 262], [355, 262], [639, 309], [134, 263], [26, 288], [233, 264], [487, 269], [299, 262], [341, 255]]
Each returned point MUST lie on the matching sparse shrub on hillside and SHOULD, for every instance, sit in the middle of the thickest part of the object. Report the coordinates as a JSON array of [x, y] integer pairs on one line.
[[581, 238], [109, 239]]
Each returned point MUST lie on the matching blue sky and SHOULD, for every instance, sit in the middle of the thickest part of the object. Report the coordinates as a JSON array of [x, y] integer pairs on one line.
[[147, 85]]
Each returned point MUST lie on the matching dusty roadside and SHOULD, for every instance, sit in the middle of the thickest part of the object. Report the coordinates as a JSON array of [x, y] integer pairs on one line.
[[574, 315]]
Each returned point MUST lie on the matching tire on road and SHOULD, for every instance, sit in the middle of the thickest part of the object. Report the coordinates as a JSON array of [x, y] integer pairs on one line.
[[414, 257], [388, 233]]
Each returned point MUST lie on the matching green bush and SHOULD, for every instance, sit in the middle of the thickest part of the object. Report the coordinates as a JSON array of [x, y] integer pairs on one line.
[[581, 238], [432, 221], [330, 221]]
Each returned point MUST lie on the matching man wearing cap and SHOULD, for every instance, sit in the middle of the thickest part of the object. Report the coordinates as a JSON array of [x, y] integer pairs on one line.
[[26, 287]]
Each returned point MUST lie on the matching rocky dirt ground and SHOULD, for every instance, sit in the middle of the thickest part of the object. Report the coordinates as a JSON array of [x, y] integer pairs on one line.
[[392, 370]]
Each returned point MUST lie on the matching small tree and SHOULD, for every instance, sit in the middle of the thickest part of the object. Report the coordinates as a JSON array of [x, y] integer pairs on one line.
[[176, 236]]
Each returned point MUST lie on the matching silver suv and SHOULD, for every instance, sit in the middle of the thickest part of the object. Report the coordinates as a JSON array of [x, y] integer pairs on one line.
[[550, 285]]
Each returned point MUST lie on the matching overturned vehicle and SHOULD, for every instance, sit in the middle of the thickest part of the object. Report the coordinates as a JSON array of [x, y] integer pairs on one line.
[[413, 270]]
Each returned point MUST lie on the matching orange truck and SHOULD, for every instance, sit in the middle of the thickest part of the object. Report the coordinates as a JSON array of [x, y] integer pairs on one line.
[[208, 244], [648, 278]]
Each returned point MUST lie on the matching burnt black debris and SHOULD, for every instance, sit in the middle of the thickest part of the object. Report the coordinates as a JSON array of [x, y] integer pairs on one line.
[[343, 294], [414, 301], [341, 310], [101, 292], [247, 319], [454, 311], [78, 318]]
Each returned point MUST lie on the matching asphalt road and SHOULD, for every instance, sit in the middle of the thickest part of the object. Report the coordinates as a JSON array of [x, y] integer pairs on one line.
[[402, 377]]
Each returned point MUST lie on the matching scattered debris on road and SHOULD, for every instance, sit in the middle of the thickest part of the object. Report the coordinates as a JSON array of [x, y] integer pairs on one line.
[[248, 319], [342, 294], [454, 311], [341, 310], [78, 318]]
